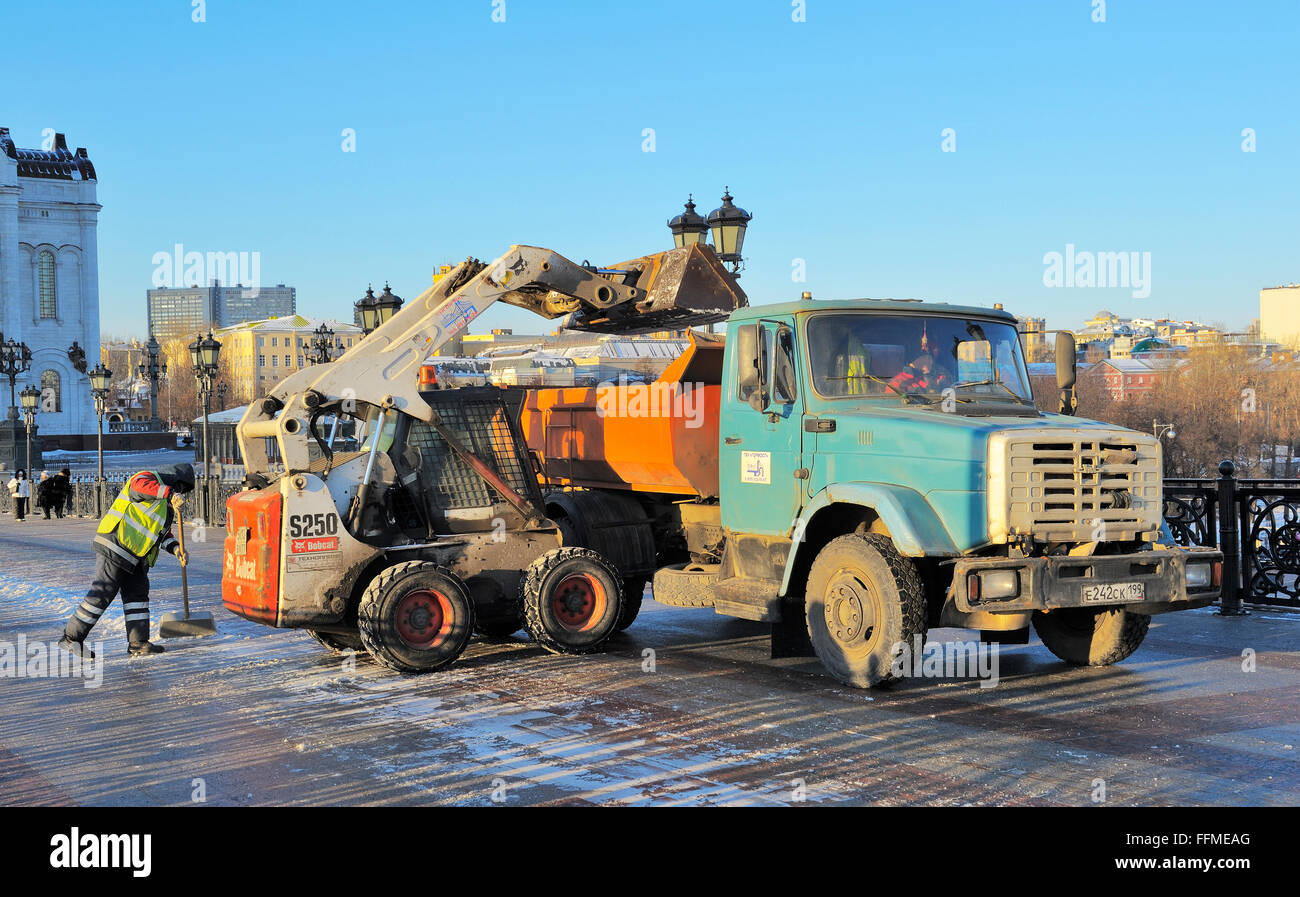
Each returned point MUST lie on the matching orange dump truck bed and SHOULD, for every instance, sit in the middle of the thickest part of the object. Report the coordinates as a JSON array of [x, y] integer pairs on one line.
[[646, 437]]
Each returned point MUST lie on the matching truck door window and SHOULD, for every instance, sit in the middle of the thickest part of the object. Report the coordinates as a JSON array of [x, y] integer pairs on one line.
[[784, 390]]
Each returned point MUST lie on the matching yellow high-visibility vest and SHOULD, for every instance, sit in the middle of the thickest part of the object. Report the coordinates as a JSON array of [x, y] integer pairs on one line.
[[139, 525]]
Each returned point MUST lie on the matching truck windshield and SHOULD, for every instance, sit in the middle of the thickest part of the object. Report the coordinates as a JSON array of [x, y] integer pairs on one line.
[[865, 354]]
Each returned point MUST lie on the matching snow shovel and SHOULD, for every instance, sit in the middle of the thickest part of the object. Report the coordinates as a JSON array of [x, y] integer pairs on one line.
[[186, 625]]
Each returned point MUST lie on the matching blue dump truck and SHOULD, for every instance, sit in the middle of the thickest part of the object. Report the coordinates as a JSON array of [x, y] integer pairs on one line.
[[856, 472]]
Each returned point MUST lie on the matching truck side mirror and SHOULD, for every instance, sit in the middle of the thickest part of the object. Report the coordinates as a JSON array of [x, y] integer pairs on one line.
[[1066, 370]]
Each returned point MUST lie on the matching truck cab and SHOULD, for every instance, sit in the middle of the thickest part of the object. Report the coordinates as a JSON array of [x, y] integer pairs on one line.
[[881, 468]]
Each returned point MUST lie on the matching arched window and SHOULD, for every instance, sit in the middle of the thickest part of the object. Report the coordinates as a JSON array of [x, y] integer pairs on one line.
[[45, 273], [51, 392]]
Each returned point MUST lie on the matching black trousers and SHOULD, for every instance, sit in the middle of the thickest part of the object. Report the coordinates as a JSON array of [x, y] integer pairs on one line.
[[20, 507], [110, 579]]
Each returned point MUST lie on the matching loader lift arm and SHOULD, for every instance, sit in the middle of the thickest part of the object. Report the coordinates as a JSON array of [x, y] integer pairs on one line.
[[682, 287]]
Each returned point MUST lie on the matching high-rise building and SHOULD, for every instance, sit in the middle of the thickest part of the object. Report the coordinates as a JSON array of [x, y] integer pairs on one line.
[[1035, 334], [49, 277], [187, 311]]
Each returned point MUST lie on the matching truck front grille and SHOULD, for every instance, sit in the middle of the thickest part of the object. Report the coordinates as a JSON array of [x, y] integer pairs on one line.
[[1076, 485]]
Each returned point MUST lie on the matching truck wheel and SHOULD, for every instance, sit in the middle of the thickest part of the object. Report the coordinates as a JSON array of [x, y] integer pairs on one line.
[[1087, 637], [863, 599], [572, 600], [415, 617], [633, 592], [338, 642]]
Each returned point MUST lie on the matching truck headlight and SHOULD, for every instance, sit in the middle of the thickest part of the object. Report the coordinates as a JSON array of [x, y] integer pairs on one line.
[[992, 585], [1198, 576]]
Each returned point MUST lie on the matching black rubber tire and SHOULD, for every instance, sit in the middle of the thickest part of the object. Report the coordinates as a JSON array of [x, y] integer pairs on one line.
[[338, 642], [378, 625], [633, 593], [858, 568], [683, 585], [578, 570], [1085, 636]]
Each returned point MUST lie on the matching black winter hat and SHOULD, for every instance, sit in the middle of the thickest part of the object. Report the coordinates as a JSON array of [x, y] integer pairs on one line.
[[178, 476]]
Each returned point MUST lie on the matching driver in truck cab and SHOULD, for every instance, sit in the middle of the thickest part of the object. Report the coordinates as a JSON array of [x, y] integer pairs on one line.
[[921, 375]]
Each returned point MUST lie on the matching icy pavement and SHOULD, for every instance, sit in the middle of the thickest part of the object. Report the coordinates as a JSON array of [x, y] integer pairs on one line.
[[261, 716]]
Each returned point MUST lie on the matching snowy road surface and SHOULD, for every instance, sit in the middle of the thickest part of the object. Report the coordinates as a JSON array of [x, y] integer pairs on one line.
[[261, 716]]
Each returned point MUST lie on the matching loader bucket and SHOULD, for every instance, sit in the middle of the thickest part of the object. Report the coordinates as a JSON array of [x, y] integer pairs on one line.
[[685, 288]]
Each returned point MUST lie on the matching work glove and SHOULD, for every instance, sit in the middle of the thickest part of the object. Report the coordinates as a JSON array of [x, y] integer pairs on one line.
[[183, 556], [178, 502]]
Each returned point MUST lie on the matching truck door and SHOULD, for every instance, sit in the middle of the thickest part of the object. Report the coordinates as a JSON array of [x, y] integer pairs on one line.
[[761, 432]]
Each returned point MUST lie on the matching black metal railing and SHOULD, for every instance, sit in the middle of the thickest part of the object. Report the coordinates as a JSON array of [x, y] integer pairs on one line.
[[90, 497], [1255, 523]]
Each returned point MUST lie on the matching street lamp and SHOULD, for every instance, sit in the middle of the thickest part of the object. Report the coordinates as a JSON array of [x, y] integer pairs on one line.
[[387, 305], [369, 313], [153, 370], [15, 359], [728, 223], [204, 353], [100, 378], [31, 399], [1160, 431], [322, 345], [689, 227], [222, 388]]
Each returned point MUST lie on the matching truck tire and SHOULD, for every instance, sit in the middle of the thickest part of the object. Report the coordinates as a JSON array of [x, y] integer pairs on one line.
[[572, 599], [338, 642], [1091, 637], [863, 599], [633, 592], [684, 585], [415, 617]]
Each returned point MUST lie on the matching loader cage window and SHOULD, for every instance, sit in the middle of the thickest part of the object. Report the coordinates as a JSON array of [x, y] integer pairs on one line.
[[479, 420]]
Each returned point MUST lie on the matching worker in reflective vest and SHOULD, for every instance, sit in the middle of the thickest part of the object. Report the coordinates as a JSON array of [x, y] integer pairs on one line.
[[126, 546]]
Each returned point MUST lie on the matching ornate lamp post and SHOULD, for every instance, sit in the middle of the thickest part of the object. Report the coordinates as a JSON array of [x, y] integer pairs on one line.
[[1161, 431], [367, 311], [204, 353], [689, 227], [100, 378], [31, 399], [322, 345], [222, 388], [153, 370], [388, 304], [15, 359], [728, 223]]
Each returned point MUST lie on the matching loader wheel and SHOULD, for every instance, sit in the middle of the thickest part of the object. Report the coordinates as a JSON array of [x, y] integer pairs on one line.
[[572, 600], [1087, 637], [633, 592], [863, 599], [338, 642], [415, 617]]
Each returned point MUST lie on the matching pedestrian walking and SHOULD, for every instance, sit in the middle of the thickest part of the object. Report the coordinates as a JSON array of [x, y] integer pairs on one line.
[[126, 546], [45, 493], [21, 492], [62, 492]]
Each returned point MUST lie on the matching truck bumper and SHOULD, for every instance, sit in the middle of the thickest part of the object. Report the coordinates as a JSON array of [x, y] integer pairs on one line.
[[1146, 582]]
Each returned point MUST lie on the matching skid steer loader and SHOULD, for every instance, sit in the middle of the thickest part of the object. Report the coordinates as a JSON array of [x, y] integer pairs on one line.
[[427, 524]]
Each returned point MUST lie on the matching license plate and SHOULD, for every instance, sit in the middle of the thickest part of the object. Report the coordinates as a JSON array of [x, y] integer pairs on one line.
[[1113, 592]]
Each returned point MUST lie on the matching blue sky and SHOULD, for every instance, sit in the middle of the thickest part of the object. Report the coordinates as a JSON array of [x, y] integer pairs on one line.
[[471, 134]]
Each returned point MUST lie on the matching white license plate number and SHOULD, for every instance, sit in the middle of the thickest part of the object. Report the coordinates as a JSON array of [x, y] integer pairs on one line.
[[1113, 592]]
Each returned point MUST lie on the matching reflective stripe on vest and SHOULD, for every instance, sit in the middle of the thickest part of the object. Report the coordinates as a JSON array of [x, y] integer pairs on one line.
[[139, 525]]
